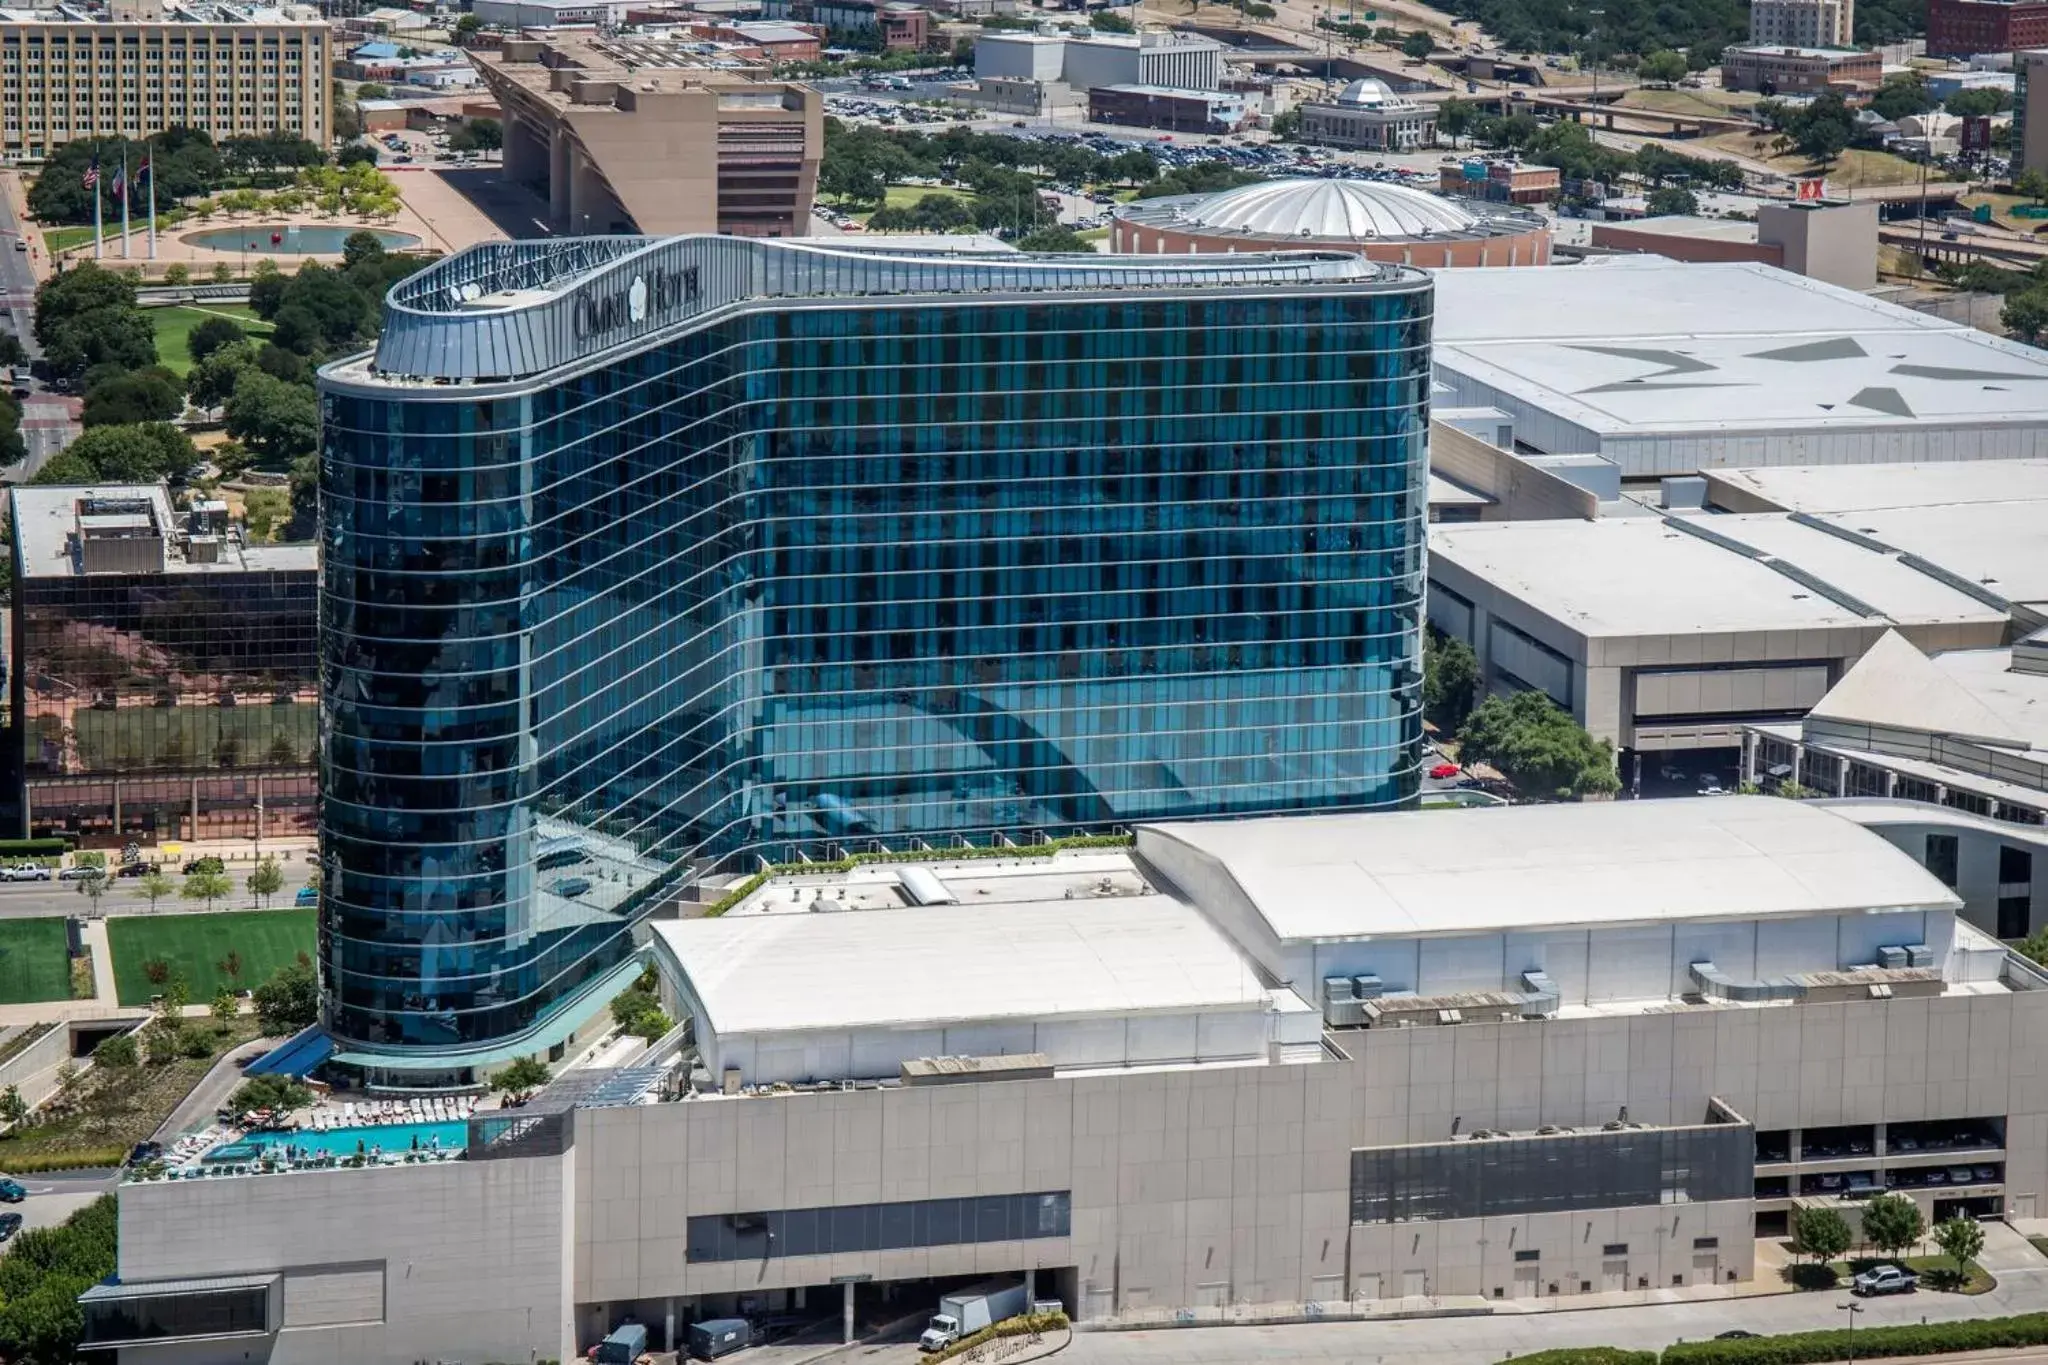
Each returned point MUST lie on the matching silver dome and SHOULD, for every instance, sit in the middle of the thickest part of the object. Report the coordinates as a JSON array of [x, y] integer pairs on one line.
[[1346, 210], [1366, 90]]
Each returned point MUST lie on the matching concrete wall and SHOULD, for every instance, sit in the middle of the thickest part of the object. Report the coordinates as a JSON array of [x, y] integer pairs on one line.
[[1521, 492], [34, 1068], [469, 1259], [1644, 236], [1834, 243], [1907, 825]]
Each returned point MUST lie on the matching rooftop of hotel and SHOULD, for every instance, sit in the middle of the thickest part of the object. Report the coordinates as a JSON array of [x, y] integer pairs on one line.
[[1324, 877], [1654, 575]]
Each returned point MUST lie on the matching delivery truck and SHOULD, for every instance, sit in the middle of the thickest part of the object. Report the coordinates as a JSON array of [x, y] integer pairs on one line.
[[966, 1312]]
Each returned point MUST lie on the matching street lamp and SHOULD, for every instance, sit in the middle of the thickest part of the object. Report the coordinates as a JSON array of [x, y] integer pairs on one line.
[[1853, 1309]]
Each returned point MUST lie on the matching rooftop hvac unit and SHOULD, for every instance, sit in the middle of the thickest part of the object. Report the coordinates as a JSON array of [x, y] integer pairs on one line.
[[1341, 1006], [1368, 987], [1892, 957], [203, 550], [1919, 955]]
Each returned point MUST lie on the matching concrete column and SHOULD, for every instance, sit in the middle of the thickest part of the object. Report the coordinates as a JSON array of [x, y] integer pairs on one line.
[[1891, 783], [1841, 777], [668, 1324], [1030, 1288], [846, 1314], [559, 179]]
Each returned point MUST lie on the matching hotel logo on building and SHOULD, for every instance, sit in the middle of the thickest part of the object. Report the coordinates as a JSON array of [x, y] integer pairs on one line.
[[652, 295]]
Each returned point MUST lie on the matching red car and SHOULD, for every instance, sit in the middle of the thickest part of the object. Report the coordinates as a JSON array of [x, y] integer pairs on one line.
[[1444, 770]]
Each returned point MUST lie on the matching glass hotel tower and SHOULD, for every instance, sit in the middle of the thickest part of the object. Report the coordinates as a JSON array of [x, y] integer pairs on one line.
[[647, 560]]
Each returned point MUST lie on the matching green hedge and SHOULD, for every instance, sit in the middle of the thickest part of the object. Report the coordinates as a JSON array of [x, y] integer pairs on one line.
[[71, 1159], [1008, 1327], [1587, 1355], [1806, 1348], [29, 848], [920, 855]]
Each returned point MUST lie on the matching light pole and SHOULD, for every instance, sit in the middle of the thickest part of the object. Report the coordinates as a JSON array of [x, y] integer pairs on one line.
[[1853, 1309]]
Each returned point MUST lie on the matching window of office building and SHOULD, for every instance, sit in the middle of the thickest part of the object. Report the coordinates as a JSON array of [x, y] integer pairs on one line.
[[1942, 852], [848, 1228], [1482, 1177]]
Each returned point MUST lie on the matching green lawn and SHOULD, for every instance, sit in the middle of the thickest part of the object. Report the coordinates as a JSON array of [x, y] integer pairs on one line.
[[174, 325], [194, 946], [64, 238], [34, 964], [253, 734]]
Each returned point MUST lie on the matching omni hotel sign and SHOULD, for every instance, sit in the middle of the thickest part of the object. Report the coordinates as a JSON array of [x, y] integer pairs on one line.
[[654, 294]]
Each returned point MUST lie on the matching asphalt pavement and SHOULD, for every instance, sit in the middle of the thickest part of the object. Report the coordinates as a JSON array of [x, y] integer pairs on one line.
[[1494, 1337]]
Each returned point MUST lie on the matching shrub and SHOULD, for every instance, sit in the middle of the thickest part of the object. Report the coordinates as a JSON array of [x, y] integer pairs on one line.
[[1025, 1324], [73, 1159], [1808, 1348], [116, 1051], [89, 858], [269, 1092], [1588, 1355]]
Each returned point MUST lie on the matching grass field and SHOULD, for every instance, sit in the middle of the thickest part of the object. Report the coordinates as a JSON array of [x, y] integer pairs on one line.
[[34, 964], [64, 238], [194, 946], [175, 325], [1705, 103]]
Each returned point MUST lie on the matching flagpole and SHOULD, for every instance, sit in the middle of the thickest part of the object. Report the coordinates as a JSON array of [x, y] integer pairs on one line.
[[127, 245], [98, 244], [149, 168]]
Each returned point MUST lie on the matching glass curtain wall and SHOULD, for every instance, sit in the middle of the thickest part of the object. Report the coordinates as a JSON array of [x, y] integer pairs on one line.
[[815, 578]]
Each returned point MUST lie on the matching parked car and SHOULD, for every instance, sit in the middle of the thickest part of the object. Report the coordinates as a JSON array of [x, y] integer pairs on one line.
[[1934, 1178], [1960, 1175], [135, 869], [25, 872], [1444, 770], [10, 1223], [1986, 1175], [144, 1152], [571, 886], [79, 874], [1885, 1279], [308, 895], [12, 1192]]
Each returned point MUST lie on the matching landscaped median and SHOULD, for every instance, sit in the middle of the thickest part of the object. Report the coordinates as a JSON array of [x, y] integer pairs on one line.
[[1810, 1348], [1026, 1325]]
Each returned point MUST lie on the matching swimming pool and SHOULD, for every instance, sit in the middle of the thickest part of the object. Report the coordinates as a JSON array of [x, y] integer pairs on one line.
[[386, 1138], [290, 239]]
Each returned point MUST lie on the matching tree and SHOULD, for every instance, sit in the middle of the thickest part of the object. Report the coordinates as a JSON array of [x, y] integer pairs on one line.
[[1820, 1233], [177, 272], [231, 967], [477, 135], [289, 1000], [1902, 96], [117, 1051], [269, 1092], [467, 24], [226, 1005], [13, 1109], [1961, 1240], [142, 452], [356, 152], [1418, 45], [1053, 239], [211, 382], [119, 337], [1450, 680], [279, 420], [359, 247], [521, 1078], [1671, 199], [1977, 103], [265, 881], [64, 469], [1456, 118], [1892, 1223], [206, 886], [1539, 747], [92, 886], [265, 508], [1824, 128], [154, 885], [2025, 315], [149, 395], [1662, 68], [1109, 21], [2033, 183], [371, 90], [12, 352], [211, 335]]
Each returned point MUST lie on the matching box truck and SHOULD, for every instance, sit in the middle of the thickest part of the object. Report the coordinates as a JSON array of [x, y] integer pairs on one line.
[[966, 1312]]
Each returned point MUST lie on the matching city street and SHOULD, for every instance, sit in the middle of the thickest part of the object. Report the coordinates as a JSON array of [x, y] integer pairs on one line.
[[1494, 1337]]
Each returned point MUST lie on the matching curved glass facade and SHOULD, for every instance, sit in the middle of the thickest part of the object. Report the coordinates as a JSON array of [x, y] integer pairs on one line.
[[818, 573]]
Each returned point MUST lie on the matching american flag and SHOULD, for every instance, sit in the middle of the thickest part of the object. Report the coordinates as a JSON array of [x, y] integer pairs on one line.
[[92, 173]]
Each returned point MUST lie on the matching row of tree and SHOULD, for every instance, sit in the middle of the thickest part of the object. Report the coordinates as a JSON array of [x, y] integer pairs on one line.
[[1533, 741], [860, 163], [1572, 149], [1892, 1224], [185, 162]]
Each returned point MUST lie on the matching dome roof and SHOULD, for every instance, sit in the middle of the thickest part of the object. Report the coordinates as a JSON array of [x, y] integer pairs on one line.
[[1366, 90], [1344, 209]]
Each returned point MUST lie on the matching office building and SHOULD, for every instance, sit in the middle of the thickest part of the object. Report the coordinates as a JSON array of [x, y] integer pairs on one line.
[[1961, 28], [1368, 116], [1154, 106], [1834, 243], [1314, 1064], [1665, 367], [138, 68], [1791, 70], [1382, 222], [163, 677], [2030, 109], [738, 549], [1173, 60], [1802, 23], [1501, 181], [646, 135]]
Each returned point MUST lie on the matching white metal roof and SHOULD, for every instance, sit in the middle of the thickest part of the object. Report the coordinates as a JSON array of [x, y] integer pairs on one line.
[[1640, 344], [1627, 576], [1895, 685], [946, 964], [1871, 487], [1344, 210], [1438, 873]]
